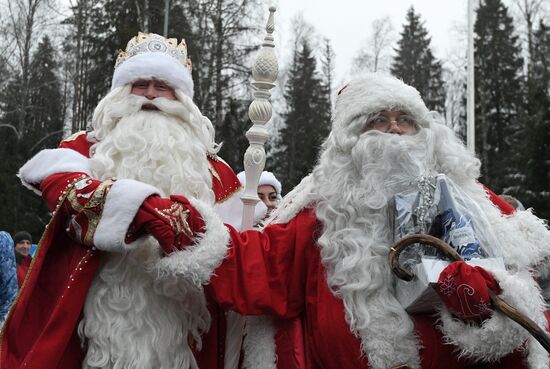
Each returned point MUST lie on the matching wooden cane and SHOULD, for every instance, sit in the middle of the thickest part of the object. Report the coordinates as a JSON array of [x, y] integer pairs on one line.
[[499, 304]]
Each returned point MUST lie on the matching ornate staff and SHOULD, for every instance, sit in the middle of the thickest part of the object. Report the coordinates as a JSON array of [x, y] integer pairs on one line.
[[264, 73], [393, 257]]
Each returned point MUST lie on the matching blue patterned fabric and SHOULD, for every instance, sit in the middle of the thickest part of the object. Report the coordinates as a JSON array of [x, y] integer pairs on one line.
[[8, 274]]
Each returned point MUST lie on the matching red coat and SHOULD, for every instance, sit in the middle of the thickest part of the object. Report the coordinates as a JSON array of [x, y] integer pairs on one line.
[[280, 272], [40, 330], [22, 270]]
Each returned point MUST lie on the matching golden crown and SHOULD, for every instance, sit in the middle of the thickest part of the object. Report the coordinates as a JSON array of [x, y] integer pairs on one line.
[[151, 42]]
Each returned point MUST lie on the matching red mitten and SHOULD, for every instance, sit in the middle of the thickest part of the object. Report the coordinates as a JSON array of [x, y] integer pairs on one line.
[[464, 289], [164, 219]]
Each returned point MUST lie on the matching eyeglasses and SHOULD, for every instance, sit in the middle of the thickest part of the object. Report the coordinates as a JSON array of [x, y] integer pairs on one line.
[[383, 123]]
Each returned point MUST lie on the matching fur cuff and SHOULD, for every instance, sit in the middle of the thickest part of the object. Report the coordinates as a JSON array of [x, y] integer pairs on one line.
[[121, 205], [52, 161], [499, 335], [259, 343], [198, 262], [528, 242]]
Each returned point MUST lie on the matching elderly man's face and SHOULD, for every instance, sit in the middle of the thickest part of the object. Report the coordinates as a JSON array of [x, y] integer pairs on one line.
[[396, 122], [152, 88]]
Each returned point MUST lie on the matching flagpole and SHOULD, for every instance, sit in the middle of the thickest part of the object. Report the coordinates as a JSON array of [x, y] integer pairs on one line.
[[470, 99]]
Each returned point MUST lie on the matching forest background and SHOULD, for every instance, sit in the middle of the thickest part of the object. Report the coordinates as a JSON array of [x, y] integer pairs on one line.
[[56, 63]]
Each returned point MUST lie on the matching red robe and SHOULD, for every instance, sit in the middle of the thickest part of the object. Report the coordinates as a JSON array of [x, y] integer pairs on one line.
[[40, 329], [280, 272]]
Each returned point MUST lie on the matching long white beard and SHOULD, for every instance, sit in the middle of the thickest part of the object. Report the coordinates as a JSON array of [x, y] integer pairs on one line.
[[357, 237], [155, 148], [131, 319], [350, 189]]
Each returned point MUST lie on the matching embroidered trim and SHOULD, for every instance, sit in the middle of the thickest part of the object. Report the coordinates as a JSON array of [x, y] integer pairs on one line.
[[177, 217], [228, 195], [214, 173], [91, 210], [74, 136]]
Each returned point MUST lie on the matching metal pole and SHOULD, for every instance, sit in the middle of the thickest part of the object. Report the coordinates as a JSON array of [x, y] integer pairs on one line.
[[166, 11], [470, 100]]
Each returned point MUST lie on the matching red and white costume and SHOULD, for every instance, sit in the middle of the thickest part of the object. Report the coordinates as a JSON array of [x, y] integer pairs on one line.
[[41, 329], [99, 293], [320, 268]]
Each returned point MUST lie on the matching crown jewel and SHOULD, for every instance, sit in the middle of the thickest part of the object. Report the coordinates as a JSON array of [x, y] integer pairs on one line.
[[151, 42]]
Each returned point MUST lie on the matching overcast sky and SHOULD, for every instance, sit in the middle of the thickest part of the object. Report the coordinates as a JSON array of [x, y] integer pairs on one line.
[[347, 23]]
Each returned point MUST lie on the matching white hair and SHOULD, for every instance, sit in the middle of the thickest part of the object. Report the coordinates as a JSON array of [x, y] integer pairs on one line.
[[165, 148], [133, 319], [350, 189], [356, 177]]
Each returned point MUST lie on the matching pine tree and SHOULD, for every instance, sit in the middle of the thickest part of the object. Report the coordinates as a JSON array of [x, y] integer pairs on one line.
[[233, 129], [215, 33], [498, 92], [43, 121], [307, 120], [46, 118], [534, 137], [416, 65]]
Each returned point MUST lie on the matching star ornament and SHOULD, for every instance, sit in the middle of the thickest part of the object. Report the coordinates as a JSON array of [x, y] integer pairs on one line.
[[177, 217]]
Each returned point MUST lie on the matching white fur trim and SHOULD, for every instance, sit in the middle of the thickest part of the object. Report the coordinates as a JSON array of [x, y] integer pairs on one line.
[[231, 210], [375, 92], [51, 161], [233, 339], [499, 335], [266, 178], [301, 197], [528, 242], [198, 262], [121, 205], [259, 343], [154, 65]]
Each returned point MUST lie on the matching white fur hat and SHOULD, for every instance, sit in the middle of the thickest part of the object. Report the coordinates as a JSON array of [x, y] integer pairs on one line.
[[148, 56], [267, 178], [374, 92]]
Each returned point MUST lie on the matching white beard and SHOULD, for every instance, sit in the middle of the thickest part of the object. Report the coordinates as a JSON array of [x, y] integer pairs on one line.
[[357, 237], [131, 319], [350, 189], [164, 150]]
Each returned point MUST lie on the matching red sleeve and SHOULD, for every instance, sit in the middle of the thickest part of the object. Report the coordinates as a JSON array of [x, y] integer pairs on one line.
[[504, 207], [54, 186], [265, 272], [77, 142]]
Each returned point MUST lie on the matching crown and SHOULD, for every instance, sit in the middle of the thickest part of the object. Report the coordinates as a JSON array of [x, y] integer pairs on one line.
[[153, 43]]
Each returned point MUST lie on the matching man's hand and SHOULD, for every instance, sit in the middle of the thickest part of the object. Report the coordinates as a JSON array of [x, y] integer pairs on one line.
[[166, 220], [464, 289]]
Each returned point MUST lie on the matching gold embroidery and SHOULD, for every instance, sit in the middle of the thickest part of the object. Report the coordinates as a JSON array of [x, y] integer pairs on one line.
[[177, 217], [228, 195], [74, 136], [214, 172], [92, 210]]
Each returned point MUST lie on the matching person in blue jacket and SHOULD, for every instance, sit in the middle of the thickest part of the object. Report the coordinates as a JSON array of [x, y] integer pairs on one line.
[[8, 275]]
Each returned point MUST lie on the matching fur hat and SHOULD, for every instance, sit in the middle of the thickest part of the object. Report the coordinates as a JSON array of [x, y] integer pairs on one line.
[[374, 92], [267, 178], [21, 236], [148, 56]]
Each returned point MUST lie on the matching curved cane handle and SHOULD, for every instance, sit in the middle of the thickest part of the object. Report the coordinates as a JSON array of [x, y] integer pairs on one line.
[[511, 312], [402, 244]]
